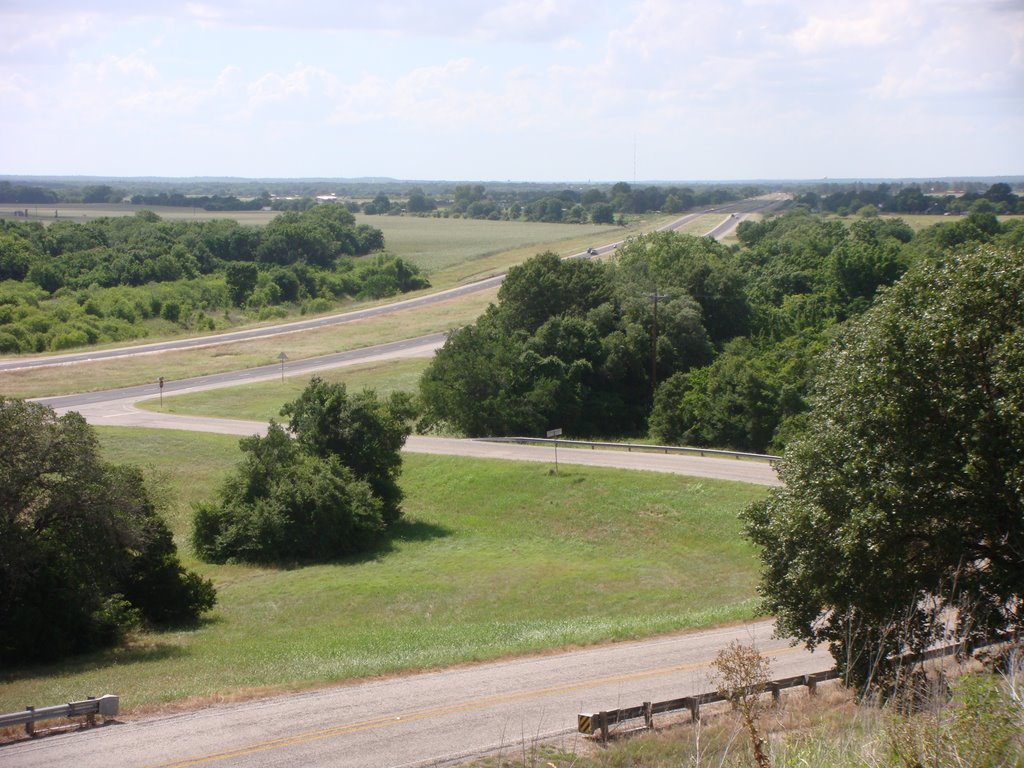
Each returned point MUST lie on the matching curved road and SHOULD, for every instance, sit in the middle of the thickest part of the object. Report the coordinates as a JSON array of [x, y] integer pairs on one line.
[[437, 718]]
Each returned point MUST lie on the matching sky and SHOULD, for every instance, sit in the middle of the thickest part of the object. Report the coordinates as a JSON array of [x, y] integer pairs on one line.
[[520, 90]]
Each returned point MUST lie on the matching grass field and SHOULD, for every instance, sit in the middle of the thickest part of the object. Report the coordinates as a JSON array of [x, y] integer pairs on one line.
[[445, 247], [494, 558], [263, 401]]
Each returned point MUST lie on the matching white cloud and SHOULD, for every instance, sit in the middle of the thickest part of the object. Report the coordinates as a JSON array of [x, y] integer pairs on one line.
[[860, 25], [302, 81], [24, 34]]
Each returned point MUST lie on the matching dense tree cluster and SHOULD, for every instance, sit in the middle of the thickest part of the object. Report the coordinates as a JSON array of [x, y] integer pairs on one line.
[[567, 345], [903, 505], [325, 487], [84, 554], [739, 332], [71, 283]]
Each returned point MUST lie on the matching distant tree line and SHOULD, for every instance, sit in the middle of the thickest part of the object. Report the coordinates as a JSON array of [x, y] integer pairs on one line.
[[508, 203], [71, 284], [728, 361], [998, 198]]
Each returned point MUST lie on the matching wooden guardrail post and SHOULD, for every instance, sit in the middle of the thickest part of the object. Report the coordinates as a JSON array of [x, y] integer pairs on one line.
[[649, 715], [30, 726], [776, 692], [602, 721], [812, 684], [694, 707]]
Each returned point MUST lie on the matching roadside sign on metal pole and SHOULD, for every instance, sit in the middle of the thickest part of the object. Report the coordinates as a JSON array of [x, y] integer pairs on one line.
[[555, 433], [282, 357]]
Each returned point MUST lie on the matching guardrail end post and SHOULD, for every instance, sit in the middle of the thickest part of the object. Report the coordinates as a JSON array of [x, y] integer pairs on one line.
[[109, 705], [30, 726], [649, 715], [90, 718]]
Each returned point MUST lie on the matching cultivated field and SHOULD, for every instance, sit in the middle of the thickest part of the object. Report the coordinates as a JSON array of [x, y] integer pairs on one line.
[[90, 211], [494, 558], [455, 250]]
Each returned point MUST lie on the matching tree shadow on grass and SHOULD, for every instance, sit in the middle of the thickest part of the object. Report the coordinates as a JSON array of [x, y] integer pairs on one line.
[[403, 530], [131, 653]]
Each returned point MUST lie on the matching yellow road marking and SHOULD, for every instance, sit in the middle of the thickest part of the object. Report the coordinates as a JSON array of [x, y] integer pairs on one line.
[[447, 709]]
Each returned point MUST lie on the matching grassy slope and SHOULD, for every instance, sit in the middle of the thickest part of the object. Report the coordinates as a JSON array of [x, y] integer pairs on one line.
[[263, 401], [494, 558]]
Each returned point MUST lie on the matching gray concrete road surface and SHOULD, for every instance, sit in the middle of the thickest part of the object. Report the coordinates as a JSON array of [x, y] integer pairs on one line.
[[432, 719]]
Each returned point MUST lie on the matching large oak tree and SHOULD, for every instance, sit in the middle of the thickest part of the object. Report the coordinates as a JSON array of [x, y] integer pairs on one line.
[[903, 505]]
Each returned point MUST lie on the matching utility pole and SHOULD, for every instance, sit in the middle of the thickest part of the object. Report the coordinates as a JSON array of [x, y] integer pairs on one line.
[[654, 341]]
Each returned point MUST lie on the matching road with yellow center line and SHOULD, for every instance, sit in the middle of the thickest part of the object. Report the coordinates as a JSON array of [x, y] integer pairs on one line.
[[433, 718]]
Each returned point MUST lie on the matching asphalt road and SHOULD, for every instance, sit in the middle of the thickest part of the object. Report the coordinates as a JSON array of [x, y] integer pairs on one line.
[[116, 407], [436, 718]]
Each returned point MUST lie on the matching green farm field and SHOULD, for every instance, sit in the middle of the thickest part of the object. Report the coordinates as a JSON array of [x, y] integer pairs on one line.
[[452, 251], [493, 559]]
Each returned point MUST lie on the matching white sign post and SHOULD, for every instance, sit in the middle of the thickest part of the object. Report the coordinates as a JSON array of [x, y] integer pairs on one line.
[[555, 433]]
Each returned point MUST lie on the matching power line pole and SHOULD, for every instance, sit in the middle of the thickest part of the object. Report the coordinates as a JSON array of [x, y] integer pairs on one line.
[[654, 341]]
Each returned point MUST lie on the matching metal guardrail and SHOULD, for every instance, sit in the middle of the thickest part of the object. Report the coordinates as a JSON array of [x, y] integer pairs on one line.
[[637, 446], [603, 721], [107, 706]]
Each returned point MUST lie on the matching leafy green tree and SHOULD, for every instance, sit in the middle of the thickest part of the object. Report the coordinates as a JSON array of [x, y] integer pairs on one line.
[[904, 500], [418, 202], [284, 504], [386, 275], [327, 489], [363, 432], [602, 213], [546, 286], [84, 554], [241, 279], [671, 264]]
